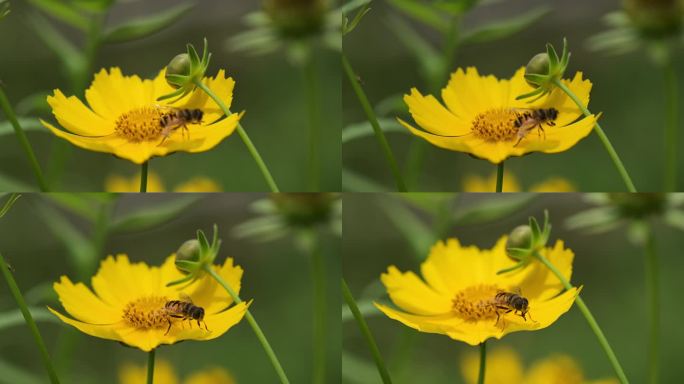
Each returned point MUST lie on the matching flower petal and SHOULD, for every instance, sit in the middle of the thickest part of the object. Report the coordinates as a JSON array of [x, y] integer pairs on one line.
[[81, 303], [73, 115], [431, 324], [101, 331], [112, 94], [409, 293], [119, 282], [210, 295], [433, 117]]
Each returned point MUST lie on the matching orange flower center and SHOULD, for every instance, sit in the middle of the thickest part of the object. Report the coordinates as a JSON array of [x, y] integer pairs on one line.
[[140, 124], [496, 125], [147, 312], [476, 302]]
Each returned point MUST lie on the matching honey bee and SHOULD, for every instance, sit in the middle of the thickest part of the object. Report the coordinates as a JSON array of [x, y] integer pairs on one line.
[[506, 302], [529, 119], [178, 118], [184, 309]]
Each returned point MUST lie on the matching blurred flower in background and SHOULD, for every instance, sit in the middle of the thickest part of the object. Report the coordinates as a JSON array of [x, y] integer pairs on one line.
[[118, 183], [504, 366], [461, 282], [129, 300], [476, 183], [164, 373]]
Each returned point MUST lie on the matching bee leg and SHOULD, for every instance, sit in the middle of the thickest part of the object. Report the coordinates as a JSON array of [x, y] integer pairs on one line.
[[518, 142], [205, 326], [169, 328], [163, 140]]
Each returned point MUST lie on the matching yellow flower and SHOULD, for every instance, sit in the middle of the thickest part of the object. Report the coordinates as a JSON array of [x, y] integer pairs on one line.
[[553, 184], [211, 376], [128, 301], [475, 183], [457, 296], [481, 113], [123, 117], [165, 374], [504, 366], [117, 183], [136, 374]]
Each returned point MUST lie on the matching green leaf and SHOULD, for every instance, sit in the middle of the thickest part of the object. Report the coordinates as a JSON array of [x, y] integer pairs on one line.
[[9, 184], [62, 11], [71, 57], [455, 7], [261, 229], [366, 308], [9, 203], [256, 41], [413, 228], [422, 12], [428, 57], [14, 317], [145, 26], [355, 182], [432, 203], [675, 218], [349, 26], [594, 220], [93, 5], [80, 204], [80, 249], [152, 216], [4, 8], [364, 129], [493, 208], [504, 28]]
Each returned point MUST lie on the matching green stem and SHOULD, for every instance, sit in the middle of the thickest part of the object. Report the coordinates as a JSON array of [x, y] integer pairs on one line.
[[23, 140], [483, 362], [150, 367], [245, 138], [143, 177], [320, 305], [14, 289], [312, 101], [672, 116], [499, 177], [379, 362], [653, 287], [255, 327], [370, 115], [590, 320], [602, 136]]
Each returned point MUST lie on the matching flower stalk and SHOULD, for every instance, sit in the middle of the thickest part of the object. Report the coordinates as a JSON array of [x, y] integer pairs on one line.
[[150, 367], [23, 140], [16, 293], [483, 362], [312, 97], [593, 324], [373, 120], [243, 135], [320, 304], [602, 136], [671, 128], [365, 331], [143, 177], [499, 177], [252, 322], [653, 288]]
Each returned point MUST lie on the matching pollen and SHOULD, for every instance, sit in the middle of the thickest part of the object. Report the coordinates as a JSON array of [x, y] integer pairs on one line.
[[140, 124], [495, 125], [146, 312], [475, 302]]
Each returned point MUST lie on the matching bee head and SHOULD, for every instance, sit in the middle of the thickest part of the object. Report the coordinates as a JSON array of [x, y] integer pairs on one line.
[[520, 303], [553, 113], [197, 313]]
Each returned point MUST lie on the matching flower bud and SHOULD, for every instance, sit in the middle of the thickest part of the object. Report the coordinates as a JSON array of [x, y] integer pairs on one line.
[[304, 209], [538, 65], [296, 18], [179, 65], [189, 251], [520, 237]]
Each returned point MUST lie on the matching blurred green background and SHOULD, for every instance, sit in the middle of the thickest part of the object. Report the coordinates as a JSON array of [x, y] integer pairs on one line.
[[628, 90], [276, 276], [383, 230], [268, 88]]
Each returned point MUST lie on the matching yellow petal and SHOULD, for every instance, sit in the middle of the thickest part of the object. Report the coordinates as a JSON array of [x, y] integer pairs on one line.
[[117, 183], [475, 183], [430, 324], [81, 303], [215, 375], [433, 117], [137, 374], [207, 293], [504, 366], [112, 94], [102, 331], [199, 184], [408, 292], [73, 115], [119, 282]]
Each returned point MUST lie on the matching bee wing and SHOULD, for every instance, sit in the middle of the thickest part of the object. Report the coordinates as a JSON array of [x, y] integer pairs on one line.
[[517, 291], [184, 297]]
